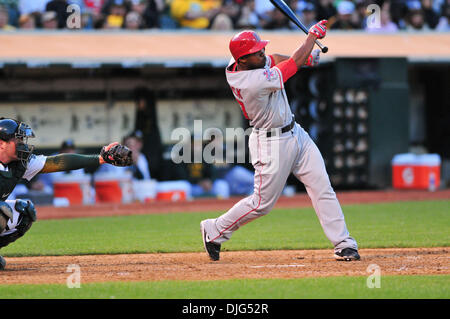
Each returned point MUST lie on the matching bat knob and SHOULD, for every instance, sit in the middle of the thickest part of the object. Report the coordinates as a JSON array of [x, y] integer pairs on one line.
[[324, 49]]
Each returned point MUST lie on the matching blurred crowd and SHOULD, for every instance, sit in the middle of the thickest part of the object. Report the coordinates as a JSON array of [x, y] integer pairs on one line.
[[370, 15]]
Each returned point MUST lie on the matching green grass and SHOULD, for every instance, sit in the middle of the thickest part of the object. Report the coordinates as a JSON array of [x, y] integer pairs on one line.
[[403, 224], [391, 287]]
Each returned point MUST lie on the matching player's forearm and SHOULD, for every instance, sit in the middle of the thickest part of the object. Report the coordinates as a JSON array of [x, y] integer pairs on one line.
[[303, 52], [68, 162]]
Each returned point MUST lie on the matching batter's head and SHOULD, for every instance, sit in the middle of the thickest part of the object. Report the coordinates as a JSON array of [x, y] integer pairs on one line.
[[12, 129], [246, 42]]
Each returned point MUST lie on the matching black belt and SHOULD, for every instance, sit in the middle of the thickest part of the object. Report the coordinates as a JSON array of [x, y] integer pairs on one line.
[[285, 129]]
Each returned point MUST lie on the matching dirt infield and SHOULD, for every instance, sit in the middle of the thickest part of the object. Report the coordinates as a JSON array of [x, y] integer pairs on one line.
[[233, 265]]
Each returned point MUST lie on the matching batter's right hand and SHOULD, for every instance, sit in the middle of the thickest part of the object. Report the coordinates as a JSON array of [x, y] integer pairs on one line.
[[319, 29]]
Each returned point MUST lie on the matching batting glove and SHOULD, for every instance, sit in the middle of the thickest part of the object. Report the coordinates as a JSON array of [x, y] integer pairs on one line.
[[319, 29], [313, 59]]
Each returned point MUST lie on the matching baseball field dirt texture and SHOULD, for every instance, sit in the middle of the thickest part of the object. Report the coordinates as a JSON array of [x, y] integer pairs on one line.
[[233, 264]]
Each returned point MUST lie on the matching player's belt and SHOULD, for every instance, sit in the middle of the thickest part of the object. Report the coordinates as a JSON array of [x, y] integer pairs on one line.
[[285, 129]]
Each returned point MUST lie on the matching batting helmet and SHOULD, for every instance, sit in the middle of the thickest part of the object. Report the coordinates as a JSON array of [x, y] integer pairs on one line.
[[246, 42]]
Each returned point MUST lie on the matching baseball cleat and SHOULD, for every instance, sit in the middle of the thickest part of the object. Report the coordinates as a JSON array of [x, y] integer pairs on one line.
[[347, 254], [212, 249], [2, 263]]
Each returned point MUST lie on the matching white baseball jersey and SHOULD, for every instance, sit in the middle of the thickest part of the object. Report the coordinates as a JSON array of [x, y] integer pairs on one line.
[[261, 94]]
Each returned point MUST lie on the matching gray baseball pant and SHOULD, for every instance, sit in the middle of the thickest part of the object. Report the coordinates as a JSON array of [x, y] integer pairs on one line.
[[274, 158]]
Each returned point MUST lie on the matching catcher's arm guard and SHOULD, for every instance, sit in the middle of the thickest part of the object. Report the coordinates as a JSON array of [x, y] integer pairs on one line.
[[116, 154]]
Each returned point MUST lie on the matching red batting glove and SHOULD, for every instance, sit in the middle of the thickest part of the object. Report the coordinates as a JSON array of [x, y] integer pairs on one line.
[[313, 59], [319, 29]]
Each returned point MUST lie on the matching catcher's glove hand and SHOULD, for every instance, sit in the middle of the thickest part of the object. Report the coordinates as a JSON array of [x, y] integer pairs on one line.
[[116, 154]]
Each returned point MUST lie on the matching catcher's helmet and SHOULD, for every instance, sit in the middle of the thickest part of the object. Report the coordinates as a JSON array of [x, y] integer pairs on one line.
[[246, 42], [10, 129]]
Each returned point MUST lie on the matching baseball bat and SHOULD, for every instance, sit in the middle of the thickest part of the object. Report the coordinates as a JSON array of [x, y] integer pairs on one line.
[[284, 8]]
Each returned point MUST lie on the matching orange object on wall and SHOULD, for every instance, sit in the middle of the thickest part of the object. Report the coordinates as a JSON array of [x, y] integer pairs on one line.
[[71, 191], [411, 171], [108, 192], [171, 196]]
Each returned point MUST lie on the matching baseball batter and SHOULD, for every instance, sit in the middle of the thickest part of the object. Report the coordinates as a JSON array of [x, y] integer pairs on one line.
[[278, 145], [18, 162]]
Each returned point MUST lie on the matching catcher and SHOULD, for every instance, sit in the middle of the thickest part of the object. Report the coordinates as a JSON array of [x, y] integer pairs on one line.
[[18, 162]]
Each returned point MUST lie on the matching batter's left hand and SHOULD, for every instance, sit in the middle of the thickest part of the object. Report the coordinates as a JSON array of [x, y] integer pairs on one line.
[[319, 29], [313, 59]]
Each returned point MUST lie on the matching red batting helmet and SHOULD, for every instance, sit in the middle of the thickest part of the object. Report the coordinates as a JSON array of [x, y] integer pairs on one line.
[[246, 42]]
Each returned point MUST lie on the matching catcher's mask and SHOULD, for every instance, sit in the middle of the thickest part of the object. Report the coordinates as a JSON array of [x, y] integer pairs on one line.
[[12, 129]]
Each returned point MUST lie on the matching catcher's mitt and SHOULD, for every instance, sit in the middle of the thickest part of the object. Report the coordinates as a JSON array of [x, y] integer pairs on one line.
[[117, 155]]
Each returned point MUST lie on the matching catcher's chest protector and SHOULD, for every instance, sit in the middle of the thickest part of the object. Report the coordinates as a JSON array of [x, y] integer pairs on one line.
[[9, 179]]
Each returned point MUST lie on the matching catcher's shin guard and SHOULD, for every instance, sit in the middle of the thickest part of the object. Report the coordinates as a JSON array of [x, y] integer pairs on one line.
[[5, 215], [2, 263], [28, 216]]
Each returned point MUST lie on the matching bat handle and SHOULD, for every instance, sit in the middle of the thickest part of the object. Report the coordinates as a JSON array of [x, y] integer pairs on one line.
[[322, 47]]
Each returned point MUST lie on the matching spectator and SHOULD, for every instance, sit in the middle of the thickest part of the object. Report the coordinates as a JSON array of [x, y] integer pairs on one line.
[[430, 16], [195, 14], [263, 10], [4, 20], [32, 6], [248, 18], [306, 11], [325, 10], [140, 167], [50, 20], [60, 7], [13, 11], [133, 21], [93, 11], [444, 21], [398, 11], [343, 19], [277, 21], [415, 19], [222, 22], [115, 12], [151, 13], [27, 21], [116, 7], [232, 9], [139, 6], [149, 10], [359, 17], [94, 6]]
